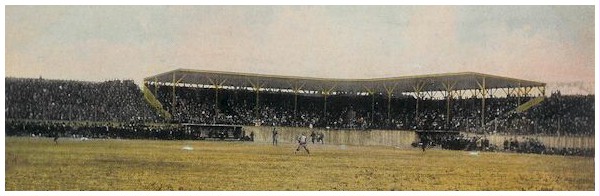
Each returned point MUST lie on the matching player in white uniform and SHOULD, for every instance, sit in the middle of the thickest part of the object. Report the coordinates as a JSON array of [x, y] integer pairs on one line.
[[302, 143]]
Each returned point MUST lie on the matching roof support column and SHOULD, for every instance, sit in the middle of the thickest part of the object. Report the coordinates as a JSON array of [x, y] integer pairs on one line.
[[173, 96], [389, 92], [256, 106], [449, 87], [295, 104], [325, 105], [519, 95], [296, 89], [542, 90], [418, 90], [256, 86], [155, 86], [218, 85], [216, 100], [527, 91], [372, 108], [506, 91], [175, 82], [483, 94], [326, 93], [372, 93], [460, 93]]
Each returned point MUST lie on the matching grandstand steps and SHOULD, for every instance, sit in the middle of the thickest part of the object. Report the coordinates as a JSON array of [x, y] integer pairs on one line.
[[153, 101]]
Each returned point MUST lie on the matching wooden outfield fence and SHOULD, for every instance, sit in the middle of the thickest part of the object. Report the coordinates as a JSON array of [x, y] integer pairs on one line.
[[400, 138]]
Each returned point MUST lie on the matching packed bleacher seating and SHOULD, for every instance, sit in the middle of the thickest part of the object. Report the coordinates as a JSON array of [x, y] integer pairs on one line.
[[117, 109], [122, 101], [93, 130], [528, 145], [197, 105], [42, 99]]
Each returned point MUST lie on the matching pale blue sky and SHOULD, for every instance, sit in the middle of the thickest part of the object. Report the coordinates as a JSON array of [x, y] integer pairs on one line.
[[553, 44]]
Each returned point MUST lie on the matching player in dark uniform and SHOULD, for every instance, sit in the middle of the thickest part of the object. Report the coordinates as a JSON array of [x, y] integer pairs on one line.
[[56, 138], [275, 136], [424, 142], [321, 137]]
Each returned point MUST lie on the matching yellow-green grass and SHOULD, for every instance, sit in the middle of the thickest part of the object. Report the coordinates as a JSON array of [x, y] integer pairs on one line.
[[40, 164]]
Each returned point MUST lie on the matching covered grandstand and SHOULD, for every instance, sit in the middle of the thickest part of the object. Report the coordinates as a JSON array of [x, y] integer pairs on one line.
[[392, 110], [432, 87]]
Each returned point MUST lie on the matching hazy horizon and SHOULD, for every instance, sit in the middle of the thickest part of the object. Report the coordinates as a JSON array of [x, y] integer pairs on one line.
[[551, 44]]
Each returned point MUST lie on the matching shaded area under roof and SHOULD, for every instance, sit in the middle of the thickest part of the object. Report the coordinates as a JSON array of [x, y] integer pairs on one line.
[[403, 84]]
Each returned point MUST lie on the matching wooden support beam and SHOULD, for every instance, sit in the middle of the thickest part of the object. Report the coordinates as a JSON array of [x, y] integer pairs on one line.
[[417, 89], [527, 90], [389, 91], [256, 85], [519, 95], [155, 86], [326, 92], [483, 95], [371, 92], [296, 89], [448, 86], [218, 85], [173, 96], [542, 90]]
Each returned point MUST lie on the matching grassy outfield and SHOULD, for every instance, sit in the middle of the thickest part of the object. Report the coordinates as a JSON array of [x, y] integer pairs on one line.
[[40, 164]]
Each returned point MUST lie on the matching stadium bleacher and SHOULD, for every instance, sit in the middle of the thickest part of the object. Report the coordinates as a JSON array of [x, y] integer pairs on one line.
[[121, 101], [42, 99], [196, 105], [117, 109]]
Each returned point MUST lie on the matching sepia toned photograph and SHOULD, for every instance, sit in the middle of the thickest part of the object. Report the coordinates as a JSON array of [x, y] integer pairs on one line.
[[300, 98]]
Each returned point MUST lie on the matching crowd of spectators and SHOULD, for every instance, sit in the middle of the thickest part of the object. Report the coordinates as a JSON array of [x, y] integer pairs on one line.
[[566, 115], [526, 145], [42, 99], [558, 114], [534, 146], [530, 145], [108, 130], [38, 106], [122, 101]]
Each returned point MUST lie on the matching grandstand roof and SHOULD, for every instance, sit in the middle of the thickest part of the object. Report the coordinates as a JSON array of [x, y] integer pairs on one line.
[[430, 82]]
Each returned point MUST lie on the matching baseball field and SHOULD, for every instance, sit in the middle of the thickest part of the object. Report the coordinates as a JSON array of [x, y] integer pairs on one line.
[[74, 164]]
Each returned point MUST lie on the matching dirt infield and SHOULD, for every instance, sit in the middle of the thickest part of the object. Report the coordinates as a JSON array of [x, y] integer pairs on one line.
[[40, 164]]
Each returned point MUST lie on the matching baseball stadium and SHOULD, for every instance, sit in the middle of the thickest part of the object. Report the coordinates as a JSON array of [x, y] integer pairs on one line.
[[300, 98], [191, 125]]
